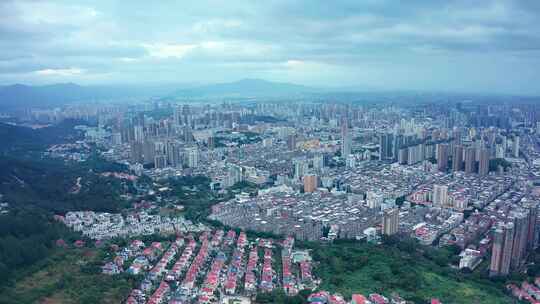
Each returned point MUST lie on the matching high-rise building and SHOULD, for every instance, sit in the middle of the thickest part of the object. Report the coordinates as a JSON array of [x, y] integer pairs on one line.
[[470, 160], [301, 166], [291, 142], [188, 134], [116, 138], [457, 158], [149, 151], [310, 183], [443, 151], [139, 133], [192, 157], [483, 163], [350, 161], [346, 145], [234, 174], [211, 142], [136, 152], [160, 161], [521, 228], [532, 234], [267, 142], [511, 243], [507, 249], [374, 199], [390, 221], [499, 151], [440, 195], [515, 146], [416, 154], [174, 154], [429, 151], [385, 146], [128, 134], [397, 145], [346, 140], [177, 116], [496, 252], [318, 163]]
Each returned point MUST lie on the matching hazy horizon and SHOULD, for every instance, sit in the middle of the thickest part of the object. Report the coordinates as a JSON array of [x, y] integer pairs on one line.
[[451, 46]]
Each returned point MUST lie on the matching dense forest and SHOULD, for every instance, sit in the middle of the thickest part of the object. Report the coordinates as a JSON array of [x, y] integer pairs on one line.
[[36, 188], [21, 140], [414, 271], [48, 184], [27, 235]]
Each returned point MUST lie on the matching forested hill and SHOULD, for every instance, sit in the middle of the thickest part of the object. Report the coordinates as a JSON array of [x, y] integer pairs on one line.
[[48, 185], [27, 235], [16, 139], [36, 188]]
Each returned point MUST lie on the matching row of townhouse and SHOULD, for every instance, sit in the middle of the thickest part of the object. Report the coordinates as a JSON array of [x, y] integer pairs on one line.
[[212, 278], [235, 268], [267, 274], [161, 267], [250, 280], [201, 257], [182, 262]]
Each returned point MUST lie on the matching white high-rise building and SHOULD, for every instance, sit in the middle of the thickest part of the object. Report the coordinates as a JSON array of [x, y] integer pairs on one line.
[[301, 167], [499, 151], [390, 222], [318, 163], [192, 157], [139, 133], [234, 175], [350, 161], [515, 146], [346, 144], [440, 195], [374, 200]]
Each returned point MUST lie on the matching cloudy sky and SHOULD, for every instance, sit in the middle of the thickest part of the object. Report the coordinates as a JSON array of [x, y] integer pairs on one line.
[[463, 45]]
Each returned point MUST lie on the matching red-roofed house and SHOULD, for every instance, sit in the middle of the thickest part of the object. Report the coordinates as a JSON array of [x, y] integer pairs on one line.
[[358, 299]]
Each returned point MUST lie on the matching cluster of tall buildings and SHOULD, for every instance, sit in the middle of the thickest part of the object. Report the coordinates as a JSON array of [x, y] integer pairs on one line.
[[459, 149], [513, 239], [469, 159], [163, 153]]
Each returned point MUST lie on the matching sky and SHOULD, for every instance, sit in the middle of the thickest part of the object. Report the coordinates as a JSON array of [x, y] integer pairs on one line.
[[487, 46]]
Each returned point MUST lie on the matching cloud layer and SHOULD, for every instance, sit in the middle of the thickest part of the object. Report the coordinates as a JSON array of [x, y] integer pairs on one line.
[[473, 45]]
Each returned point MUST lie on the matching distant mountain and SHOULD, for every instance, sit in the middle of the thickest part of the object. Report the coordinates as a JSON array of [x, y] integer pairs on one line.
[[19, 96], [23, 96], [246, 88]]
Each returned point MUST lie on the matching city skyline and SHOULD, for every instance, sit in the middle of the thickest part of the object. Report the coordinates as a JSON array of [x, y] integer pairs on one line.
[[461, 46], [274, 152]]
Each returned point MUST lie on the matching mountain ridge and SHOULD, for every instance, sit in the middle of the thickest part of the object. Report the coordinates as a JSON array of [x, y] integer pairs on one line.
[[247, 87]]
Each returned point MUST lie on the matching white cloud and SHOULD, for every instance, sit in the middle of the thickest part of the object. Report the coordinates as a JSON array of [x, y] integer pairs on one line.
[[215, 25], [60, 72], [162, 50], [294, 63], [128, 59], [39, 13]]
